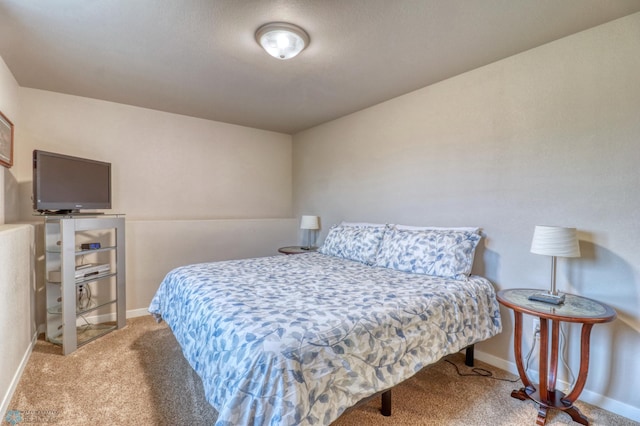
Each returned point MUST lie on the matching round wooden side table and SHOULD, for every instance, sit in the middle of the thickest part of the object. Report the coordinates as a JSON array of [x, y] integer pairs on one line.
[[296, 250], [576, 309]]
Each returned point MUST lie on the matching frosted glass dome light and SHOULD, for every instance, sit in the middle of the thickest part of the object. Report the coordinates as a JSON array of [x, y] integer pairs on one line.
[[282, 40]]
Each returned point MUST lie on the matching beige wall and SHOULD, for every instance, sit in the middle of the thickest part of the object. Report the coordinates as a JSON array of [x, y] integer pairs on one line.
[[192, 190], [9, 107], [550, 136], [17, 292], [155, 247], [164, 166], [17, 323]]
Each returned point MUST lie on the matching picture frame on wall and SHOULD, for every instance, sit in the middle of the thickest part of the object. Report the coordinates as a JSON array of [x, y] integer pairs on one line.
[[6, 141]]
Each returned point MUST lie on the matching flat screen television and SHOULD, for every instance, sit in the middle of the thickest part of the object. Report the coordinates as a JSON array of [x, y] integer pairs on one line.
[[64, 184]]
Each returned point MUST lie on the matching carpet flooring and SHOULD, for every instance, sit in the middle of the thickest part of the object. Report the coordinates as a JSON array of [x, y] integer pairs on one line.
[[137, 375]]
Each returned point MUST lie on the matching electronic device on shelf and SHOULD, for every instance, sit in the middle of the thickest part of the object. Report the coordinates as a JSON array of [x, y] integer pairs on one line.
[[63, 184], [90, 246], [84, 271]]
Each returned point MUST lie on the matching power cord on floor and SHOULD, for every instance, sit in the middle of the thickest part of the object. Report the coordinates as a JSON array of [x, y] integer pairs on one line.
[[480, 372]]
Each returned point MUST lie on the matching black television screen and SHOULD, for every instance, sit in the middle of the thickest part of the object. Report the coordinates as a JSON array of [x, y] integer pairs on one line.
[[62, 183]]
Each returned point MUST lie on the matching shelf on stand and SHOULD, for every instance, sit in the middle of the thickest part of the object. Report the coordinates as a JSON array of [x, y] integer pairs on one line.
[[80, 310], [86, 333]]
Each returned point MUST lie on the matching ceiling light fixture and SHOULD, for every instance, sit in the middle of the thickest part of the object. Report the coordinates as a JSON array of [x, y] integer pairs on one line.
[[282, 40]]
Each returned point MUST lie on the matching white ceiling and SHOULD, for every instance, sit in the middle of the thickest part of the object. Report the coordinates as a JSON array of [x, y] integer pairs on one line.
[[200, 58]]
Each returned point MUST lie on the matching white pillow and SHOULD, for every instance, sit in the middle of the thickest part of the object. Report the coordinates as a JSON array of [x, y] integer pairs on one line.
[[359, 243], [443, 253]]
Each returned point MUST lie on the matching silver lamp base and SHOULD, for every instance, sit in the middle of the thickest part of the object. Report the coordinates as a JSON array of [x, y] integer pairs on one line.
[[552, 297]]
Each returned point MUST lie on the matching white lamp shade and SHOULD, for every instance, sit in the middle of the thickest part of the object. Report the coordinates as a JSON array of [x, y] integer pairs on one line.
[[309, 222], [555, 241], [282, 40]]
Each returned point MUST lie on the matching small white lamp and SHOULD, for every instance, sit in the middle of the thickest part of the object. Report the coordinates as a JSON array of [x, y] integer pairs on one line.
[[554, 241], [310, 224]]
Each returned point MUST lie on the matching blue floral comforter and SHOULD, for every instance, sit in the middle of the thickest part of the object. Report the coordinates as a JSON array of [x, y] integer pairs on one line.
[[298, 339]]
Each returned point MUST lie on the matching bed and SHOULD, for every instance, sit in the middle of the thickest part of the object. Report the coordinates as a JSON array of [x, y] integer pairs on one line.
[[299, 339]]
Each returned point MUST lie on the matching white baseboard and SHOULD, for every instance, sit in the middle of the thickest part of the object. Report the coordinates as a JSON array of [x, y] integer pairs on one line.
[[587, 396], [16, 378], [112, 316], [138, 313]]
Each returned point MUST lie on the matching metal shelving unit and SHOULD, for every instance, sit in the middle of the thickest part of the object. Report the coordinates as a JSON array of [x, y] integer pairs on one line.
[[71, 299]]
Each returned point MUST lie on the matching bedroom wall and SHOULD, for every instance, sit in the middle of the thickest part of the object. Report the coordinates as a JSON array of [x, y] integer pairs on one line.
[[17, 284], [192, 189], [547, 137], [9, 107], [17, 292]]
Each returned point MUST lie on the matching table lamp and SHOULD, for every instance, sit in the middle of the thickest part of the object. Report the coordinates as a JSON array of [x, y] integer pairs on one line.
[[310, 224], [554, 241]]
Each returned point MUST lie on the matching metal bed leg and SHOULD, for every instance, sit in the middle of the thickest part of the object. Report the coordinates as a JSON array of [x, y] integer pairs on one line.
[[468, 358], [386, 403], [386, 395]]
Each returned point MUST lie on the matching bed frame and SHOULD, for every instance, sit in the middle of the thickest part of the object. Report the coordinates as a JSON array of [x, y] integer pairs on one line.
[[386, 395]]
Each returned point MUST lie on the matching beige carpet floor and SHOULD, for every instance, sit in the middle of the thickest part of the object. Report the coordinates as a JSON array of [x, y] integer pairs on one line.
[[138, 376]]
